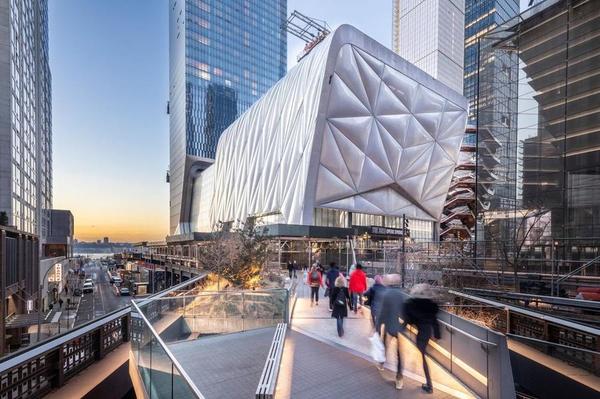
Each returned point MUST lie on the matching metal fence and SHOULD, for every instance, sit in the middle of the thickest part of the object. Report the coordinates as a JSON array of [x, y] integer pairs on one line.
[[575, 343], [33, 372]]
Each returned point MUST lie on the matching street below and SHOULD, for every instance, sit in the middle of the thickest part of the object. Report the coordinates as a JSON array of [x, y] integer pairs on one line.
[[103, 300]]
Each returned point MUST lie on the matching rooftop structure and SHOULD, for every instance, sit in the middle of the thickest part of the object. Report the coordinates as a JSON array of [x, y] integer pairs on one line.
[[353, 129]]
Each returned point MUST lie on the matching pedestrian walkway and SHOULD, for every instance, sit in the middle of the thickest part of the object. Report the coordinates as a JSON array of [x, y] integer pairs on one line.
[[312, 369], [316, 323]]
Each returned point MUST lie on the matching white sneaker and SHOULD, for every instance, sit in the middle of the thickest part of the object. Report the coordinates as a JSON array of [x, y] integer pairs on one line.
[[400, 383]]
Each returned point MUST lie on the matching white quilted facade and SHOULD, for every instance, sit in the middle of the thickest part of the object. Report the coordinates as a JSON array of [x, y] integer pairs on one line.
[[352, 127]]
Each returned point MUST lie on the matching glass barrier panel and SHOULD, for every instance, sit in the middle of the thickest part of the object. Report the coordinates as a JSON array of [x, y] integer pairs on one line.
[[161, 383]]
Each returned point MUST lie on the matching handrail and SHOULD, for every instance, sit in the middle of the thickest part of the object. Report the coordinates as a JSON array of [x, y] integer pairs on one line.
[[580, 268], [481, 341], [553, 343], [542, 316], [181, 370], [173, 288], [44, 346]]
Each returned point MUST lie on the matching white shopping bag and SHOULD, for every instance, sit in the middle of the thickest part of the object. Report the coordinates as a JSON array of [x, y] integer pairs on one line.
[[377, 348]]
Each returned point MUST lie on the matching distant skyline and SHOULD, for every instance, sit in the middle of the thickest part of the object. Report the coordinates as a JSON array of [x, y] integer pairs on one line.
[[109, 63]]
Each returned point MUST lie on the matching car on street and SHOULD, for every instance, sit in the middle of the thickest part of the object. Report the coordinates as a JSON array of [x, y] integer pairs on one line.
[[124, 291], [88, 280], [88, 287], [115, 279]]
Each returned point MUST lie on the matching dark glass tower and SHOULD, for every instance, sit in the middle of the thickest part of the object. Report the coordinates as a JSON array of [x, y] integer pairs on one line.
[[224, 55], [496, 169]]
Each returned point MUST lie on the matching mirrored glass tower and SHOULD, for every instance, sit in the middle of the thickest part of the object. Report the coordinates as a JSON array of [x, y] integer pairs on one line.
[[224, 54]]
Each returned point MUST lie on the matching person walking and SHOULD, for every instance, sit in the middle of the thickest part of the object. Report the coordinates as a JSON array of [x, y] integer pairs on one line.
[[341, 300], [290, 267], [388, 318], [358, 285], [374, 297], [330, 277], [60, 303], [315, 282], [421, 311], [295, 267]]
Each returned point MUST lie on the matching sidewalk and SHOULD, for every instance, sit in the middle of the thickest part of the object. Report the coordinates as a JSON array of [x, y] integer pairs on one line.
[[316, 322]]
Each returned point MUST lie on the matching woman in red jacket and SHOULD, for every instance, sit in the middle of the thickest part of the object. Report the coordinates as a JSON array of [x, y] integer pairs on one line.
[[357, 286]]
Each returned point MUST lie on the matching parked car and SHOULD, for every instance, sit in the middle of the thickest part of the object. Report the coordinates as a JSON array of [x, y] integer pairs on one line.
[[88, 287], [124, 291]]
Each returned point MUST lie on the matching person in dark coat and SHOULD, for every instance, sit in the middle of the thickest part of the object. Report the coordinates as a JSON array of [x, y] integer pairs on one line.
[[341, 299], [388, 318], [421, 311], [291, 269], [330, 277], [374, 297]]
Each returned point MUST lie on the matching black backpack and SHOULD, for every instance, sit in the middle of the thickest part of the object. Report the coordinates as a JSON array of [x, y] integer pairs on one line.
[[340, 298]]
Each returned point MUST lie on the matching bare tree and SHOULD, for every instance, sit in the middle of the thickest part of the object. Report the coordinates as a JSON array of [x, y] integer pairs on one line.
[[238, 255], [513, 243]]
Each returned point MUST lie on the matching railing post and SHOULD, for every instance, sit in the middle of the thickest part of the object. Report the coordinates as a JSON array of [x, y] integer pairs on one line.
[[99, 338], [60, 379], [126, 327]]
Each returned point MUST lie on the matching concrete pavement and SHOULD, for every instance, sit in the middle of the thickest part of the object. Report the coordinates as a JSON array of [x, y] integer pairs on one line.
[[316, 322]]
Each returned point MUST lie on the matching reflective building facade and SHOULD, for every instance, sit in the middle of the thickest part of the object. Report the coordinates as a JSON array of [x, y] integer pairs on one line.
[[495, 169], [25, 115], [224, 55], [555, 58]]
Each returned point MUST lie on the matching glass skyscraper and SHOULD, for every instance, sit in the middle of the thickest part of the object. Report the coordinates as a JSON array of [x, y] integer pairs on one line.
[[224, 54], [554, 57], [25, 115], [496, 169]]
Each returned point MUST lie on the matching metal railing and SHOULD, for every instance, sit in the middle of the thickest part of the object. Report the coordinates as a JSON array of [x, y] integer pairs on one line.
[[578, 344], [186, 314], [159, 370], [35, 371], [476, 355]]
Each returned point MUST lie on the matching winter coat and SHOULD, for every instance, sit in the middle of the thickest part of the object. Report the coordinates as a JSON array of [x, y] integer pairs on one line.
[[331, 275], [375, 297], [358, 282], [422, 313], [340, 310], [390, 311], [314, 284]]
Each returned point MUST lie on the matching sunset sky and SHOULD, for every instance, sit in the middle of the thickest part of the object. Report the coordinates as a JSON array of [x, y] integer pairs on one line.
[[110, 66]]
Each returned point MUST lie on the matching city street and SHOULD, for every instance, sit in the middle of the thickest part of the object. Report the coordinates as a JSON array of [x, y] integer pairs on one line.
[[103, 300]]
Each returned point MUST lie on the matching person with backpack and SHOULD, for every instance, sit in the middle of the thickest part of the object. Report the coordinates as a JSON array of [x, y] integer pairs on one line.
[[330, 277], [341, 300], [358, 285], [374, 297], [315, 282], [421, 311]]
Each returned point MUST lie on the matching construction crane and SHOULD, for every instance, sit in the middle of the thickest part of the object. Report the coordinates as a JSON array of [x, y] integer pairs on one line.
[[310, 30]]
